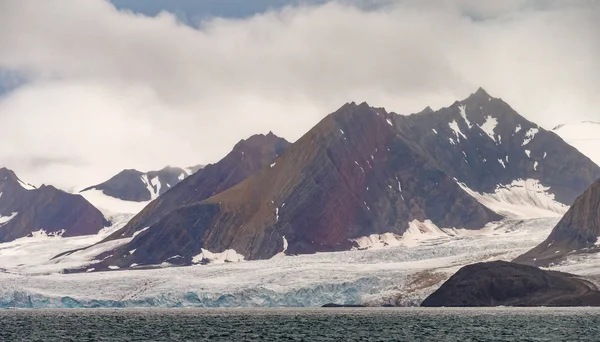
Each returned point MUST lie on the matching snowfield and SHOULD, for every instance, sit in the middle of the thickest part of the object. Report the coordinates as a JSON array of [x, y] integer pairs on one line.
[[399, 275]]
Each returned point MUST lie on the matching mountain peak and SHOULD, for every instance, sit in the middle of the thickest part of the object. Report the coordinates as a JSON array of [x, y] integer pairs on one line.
[[10, 177], [6, 174], [481, 93]]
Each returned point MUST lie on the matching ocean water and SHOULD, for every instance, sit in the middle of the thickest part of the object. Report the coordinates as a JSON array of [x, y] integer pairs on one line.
[[335, 324]]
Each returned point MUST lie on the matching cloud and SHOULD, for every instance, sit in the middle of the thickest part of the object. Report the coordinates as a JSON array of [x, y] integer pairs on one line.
[[110, 89]]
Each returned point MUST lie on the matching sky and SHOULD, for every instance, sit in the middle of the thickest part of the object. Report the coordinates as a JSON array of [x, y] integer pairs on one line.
[[88, 88]]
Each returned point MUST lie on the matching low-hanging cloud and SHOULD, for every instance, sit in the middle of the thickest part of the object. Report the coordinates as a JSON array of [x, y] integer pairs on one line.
[[109, 89]]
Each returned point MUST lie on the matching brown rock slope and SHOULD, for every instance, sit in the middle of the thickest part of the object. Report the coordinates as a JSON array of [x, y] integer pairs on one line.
[[247, 157], [577, 232], [46, 208], [352, 175]]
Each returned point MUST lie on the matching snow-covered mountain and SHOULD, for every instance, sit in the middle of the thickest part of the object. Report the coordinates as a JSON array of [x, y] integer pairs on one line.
[[584, 136], [364, 177], [494, 151], [130, 190]]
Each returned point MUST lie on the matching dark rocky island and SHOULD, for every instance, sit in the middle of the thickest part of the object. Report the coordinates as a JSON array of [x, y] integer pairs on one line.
[[501, 283]]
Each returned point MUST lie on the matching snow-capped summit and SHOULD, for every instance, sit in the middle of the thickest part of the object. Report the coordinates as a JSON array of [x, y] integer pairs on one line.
[[584, 136], [137, 186], [490, 149], [25, 210]]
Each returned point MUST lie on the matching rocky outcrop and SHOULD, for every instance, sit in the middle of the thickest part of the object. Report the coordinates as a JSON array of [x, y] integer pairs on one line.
[[485, 144], [350, 176], [137, 186], [577, 232], [501, 283], [25, 209]]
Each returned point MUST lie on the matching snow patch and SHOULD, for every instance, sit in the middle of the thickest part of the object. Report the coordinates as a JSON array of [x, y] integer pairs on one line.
[[228, 255], [109, 205], [285, 247], [148, 184], [156, 185], [489, 126], [5, 219], [389, 122], [529, 135], [140, 231], [502, 163], [434, 131], [273, 165], [25, 185], [463, 113], [520, 199], [528, 153], [457, 132]]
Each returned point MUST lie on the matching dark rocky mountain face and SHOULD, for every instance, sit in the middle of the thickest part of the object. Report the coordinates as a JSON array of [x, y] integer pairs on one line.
[[509, 284], [134, 185], [576, 232], [483, 143], [247, 157], [350, 176], [24, 209]]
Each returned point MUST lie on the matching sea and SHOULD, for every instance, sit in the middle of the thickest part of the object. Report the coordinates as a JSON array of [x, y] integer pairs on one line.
[[331, 324]]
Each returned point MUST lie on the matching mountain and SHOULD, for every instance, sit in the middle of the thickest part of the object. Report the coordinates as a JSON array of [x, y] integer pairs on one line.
[[349, 177], [137, 186], [25, 209], [247, 157], [501, 158], [501, 283], [363, 177], [584, 136], [577, 232]]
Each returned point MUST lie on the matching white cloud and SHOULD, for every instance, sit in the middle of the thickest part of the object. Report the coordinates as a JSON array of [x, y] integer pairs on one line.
[[112, 90]]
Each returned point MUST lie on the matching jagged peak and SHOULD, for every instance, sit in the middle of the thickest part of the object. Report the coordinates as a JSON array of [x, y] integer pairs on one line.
[[479, 95], [168, 168], [481, 92], [259, 140], [426, 110], [8, 175], [129, 171]]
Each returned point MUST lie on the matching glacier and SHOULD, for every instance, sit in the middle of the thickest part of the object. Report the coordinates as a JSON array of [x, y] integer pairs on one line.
[[396, 275]]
